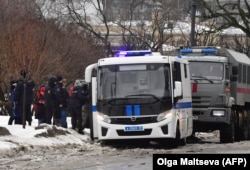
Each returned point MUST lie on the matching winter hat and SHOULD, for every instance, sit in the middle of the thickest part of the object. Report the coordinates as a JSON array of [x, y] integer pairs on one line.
[[52, 81], [59, 78], [12, 84], [13, 81], [42, 89]]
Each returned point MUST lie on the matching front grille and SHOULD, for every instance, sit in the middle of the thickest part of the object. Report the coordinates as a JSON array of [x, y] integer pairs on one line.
[[201, 101], [134, 133], [133, 120], [198, 113]]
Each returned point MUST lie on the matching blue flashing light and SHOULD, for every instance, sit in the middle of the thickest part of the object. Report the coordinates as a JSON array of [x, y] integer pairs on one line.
[[204, 51], [209, 51], [134, 53], [186, 51]]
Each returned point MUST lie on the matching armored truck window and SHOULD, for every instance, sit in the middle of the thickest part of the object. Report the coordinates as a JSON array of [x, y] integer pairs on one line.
[[185, 70], [244, 74], [227, 72], [248, 75], [240, 73], [177, 71]]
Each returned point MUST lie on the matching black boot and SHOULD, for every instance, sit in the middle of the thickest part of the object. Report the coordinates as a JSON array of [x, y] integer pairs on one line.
[[80, 131]]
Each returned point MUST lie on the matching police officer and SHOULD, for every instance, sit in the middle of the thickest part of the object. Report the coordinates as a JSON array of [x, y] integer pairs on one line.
[[60, 115], [50, 100], [76, 101]]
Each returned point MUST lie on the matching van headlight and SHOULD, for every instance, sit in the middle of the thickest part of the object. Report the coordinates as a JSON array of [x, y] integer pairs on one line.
[[218, 113], [104, 118], [163, 116]]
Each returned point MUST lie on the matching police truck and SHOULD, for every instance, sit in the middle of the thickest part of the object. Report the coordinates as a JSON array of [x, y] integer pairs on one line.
[[220, 82], [140, 95]]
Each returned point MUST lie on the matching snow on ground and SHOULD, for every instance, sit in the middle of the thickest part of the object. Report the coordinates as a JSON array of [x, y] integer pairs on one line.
[[50, 148], [14, 136], [49, 136]]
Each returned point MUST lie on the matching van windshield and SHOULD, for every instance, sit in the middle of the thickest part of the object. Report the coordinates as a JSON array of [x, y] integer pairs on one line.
[[147, 80]]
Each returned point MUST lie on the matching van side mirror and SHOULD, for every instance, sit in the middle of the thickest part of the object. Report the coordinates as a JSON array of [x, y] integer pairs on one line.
[[178, 89]]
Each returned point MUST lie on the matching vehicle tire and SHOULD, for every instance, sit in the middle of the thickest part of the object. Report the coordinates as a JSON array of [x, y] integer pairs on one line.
[[245, 130], [183, 142], [177, 141], [247, 125], [227, 132], [237, 129], [91, 127]]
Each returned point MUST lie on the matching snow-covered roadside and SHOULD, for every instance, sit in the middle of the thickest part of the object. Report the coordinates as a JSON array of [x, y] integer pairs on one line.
[[52, 148], [15, 136]]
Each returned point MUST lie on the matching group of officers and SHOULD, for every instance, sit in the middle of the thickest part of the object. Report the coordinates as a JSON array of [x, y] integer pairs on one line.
[[52, 103]]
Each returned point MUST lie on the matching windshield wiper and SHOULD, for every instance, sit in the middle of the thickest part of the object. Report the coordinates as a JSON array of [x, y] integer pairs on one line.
[[143, 95], [114, 101], [202, 78]]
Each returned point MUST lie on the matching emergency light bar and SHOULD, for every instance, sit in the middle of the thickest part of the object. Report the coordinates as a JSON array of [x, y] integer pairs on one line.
[[134, 53], [204, 51]]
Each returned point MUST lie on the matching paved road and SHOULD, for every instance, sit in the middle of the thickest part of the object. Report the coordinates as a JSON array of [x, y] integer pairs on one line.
[[95, 156]]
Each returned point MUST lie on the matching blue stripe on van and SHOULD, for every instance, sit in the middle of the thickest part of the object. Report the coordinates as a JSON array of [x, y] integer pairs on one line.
[[94, 109], [183, 105], [128, 110], [137, 110]]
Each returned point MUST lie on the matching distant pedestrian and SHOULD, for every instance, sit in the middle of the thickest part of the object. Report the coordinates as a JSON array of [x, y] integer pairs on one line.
[[13, 84], [29, 99], [74, 107], [60, 115], [39, 104], [24, 98], [86, 109], [76, 101], [64, 109], [50, 100], [18, 99]]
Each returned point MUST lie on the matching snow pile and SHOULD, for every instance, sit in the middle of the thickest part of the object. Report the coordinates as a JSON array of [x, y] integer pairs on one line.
[[15, 136]]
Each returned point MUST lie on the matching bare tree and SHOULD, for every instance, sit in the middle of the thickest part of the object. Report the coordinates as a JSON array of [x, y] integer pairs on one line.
[[206, 35], [148, 34], [229, 14], [11, 13], [133, 24], [75, 11], [41, 45]]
